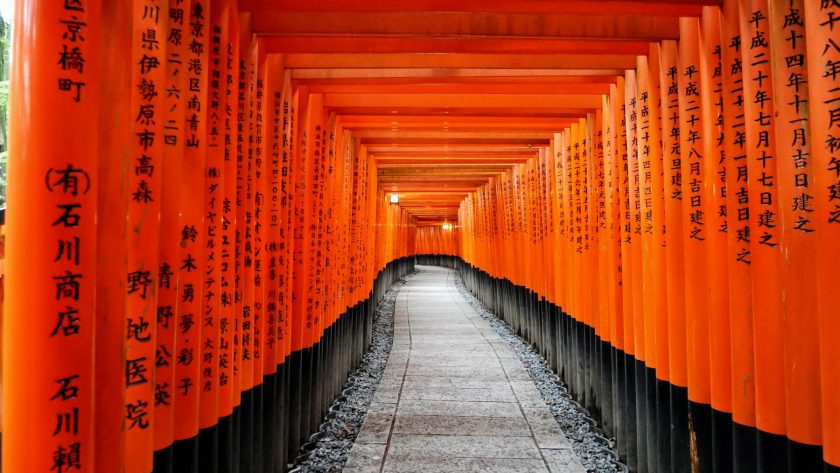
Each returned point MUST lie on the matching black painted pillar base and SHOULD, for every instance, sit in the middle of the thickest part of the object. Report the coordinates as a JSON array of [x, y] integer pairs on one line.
[[803, 457], [208, 450], [680, 441], [163, 461], [663, 420], [225, 455], [246, 432], [721, 441], [772, 453]]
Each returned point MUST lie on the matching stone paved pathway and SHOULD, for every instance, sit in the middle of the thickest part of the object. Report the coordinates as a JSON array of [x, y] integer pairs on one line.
[[454, 397]]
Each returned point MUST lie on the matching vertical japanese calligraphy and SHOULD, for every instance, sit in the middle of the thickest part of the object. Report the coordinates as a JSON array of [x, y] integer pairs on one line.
[[765, 251], [795, 181], [49, 367], [201, 221], [175, 48], [144, 185], [822, 20]]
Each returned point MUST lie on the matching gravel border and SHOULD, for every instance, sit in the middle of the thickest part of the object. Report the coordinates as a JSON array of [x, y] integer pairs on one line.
[[596, 453], [339, 432], [347, 414]]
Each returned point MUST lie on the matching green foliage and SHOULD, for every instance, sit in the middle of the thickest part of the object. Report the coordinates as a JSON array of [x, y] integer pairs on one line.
[[5, 59], [4, 94]]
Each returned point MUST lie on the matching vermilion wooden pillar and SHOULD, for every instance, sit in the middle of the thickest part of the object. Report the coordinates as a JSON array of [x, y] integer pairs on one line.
[[547, 256], [695, 217], [48, 362], [738, 237], [674, 255], [287, 213], [346, 165], [765, 240], [714, 177], [647, 235], [146, 135], [170, 231], [824, 80], [189, 319], [613, 255], [111, 239], [656, 199], [234, 189], [214, 223], [796, 194], [244, 240], [624, 317], [228, 389]]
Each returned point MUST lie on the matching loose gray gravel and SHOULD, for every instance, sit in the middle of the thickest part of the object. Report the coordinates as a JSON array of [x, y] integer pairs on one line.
[[595, 452], [340, 431]]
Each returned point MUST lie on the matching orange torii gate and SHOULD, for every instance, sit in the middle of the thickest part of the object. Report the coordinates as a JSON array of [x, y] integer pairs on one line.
[[201, 224]]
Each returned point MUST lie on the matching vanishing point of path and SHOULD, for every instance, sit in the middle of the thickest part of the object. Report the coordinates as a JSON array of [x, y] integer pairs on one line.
[[454, 397]]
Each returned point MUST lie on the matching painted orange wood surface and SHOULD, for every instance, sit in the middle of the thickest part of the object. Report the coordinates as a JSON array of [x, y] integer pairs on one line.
[[199, 193]]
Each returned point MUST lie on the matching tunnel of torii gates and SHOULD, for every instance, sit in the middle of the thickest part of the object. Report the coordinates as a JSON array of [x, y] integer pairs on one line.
[[200, 219]]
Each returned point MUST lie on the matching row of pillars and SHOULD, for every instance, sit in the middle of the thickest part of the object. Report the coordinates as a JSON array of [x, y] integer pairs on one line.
[[183, 220], [693, 222], [438, 240]]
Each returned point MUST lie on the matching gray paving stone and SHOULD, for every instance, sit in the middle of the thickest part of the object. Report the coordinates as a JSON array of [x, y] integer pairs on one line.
[[365, 457], [546, 431], [444, 358], [487, 372], [501, 393], [462, 446], [458, 408], [386, 395], [442, 425], [394, 370], [471, 362], [464, 465], [519, 373], [376, 428], [398, 360], [454, 382], [562, 461], [527, 394], [382, 407], [390, 383], [454, 396]]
